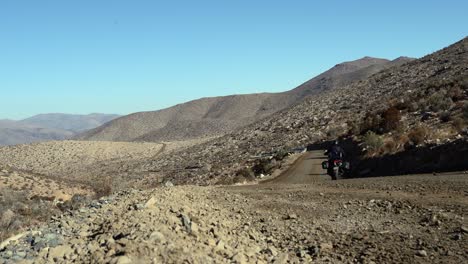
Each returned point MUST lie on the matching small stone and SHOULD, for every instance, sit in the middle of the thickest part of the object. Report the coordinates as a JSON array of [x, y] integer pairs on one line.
[[186, 222], [157, 237], [281, 259], [239, 258], [21, 254], [220, 245], [138, 206], [272, 251], [326, 246], [60, 251], [121, 260], [151, 203], [301, 253], [421, 253], [292, 217], [464, 229], [168, 184]]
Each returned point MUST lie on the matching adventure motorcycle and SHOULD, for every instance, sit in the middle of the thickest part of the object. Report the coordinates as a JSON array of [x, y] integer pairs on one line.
[[335, 168]]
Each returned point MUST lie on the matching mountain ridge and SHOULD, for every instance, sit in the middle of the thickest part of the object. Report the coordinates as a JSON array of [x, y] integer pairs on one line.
[[50, 126], [212, 116]]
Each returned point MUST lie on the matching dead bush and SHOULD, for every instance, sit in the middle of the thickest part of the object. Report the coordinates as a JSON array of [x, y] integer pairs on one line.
[[263, 166], [455, 93], [465, 111], [445, 116], [353, 128], [77, 201], [371, 122], [102, 187], [244, 174], [403, 105], [391, 119], [390, 146], [418, 134], [459, 124]]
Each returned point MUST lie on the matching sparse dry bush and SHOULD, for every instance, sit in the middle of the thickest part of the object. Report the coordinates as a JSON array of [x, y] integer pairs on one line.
[[418, 134], [332, 132], [244, 174], [465, 111], [373, 141], [455, 93], [391, 119], [403, 105], [263, 166], [390, 146], [102, 187], [353, 128], [74, 203], [371, 122], [445, 116], [439, 101], [17, 212], [459, 124]]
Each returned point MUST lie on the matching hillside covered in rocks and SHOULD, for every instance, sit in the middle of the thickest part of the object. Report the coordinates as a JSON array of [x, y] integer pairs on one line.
[[429, 96], [216, 116]]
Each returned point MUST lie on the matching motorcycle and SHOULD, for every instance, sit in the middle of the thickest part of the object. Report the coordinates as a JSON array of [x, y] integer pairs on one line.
[[335, 168]]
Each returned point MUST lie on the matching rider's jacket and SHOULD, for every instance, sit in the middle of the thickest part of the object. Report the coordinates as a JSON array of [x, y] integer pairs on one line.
[[335, 152]]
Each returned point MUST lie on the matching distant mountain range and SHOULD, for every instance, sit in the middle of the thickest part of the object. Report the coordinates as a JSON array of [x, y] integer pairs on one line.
[[45, 127], [219, 115]]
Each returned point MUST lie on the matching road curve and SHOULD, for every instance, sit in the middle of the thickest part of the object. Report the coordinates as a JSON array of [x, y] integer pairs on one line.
[[306, 169]]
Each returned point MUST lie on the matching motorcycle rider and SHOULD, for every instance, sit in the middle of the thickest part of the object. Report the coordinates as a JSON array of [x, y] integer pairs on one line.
[[335, 152]]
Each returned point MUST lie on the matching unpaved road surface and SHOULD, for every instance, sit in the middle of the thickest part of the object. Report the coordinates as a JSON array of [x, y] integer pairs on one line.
[[300, 216]]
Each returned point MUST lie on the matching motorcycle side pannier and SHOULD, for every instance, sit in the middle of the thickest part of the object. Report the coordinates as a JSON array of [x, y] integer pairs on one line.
[[325, 165]]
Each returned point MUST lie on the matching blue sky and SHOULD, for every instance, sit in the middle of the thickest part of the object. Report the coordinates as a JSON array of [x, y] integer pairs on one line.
[[127, 56]]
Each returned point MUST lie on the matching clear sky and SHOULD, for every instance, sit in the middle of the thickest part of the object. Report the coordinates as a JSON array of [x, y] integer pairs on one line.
[[120, 57]]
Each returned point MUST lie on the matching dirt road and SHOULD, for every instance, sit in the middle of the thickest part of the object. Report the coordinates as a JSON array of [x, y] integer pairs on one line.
[[306, 169], [402, 219]]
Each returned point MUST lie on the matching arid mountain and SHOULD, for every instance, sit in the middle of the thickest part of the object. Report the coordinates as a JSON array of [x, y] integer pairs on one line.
[[430, 95], [219, 115], [74, 123], [45, 127]]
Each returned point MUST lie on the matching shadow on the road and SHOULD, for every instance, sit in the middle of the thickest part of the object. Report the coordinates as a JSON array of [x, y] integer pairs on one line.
[[316, 174], [448, 157]]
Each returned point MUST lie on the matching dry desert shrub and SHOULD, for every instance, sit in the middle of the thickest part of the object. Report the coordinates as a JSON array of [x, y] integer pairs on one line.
[[455, 93], [373, 141], [465, 111], [391, 119], [17, 211], [371, 122], [102, 187], [445, 116], [418, 134], [439, 101], [459, 124], [244, 174], [390, 146]]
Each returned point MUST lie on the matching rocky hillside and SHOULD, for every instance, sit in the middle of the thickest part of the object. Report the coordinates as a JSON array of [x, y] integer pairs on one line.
[[430, 95], [45, 127], [219, 115]]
